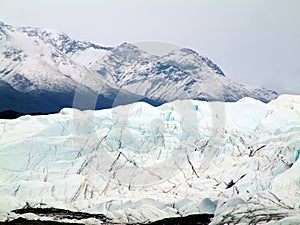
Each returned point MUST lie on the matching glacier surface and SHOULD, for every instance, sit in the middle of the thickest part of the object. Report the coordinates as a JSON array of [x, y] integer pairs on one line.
[[139, 163]]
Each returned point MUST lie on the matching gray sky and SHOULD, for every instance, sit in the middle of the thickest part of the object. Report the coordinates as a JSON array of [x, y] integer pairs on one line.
[[253, 41]]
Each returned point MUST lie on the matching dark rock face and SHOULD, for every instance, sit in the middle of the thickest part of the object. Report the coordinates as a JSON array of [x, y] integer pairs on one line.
[[56, 214], [59, 214], [22, 221], [202, 219], [10, 114]]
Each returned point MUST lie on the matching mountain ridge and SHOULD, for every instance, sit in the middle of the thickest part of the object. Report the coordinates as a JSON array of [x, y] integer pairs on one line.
[[36, 61]]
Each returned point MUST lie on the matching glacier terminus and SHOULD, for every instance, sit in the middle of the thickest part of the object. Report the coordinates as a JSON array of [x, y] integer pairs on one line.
[[138, 163]]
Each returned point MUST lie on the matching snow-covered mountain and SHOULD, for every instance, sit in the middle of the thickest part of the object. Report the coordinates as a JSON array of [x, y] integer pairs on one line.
[[138, 163], [50, 65], [181, 74], [41, 71]]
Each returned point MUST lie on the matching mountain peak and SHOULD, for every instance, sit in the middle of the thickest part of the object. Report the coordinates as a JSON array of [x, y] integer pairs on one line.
[[129, 46], [4, 25], [188, 51], [187, 58], [129, 52]]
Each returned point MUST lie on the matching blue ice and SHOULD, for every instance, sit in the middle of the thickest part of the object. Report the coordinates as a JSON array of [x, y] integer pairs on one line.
[[297, 154]]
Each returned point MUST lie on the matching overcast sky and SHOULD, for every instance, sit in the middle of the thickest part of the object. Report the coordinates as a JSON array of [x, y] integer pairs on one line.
[[253, 41]]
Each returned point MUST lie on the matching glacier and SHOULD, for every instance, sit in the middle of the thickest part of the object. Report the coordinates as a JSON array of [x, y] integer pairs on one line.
[[139, 163]]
